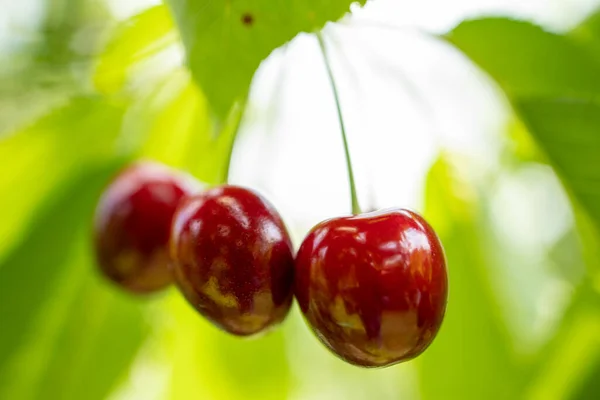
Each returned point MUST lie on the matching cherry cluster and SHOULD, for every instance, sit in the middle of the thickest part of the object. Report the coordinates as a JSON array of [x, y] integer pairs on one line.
[[373, 287]]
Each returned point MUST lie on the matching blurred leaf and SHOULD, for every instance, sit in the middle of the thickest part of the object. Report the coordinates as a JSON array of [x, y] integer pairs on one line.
[[177, 125], [48, 153], [566, 258], [134, 40], [526, 60], [23, 101], [520, 146], [567, 361], [567, 130], [567, 364], [226, 41], [96, 344], [472, 357], [552, 81], [36, 284], [590, 386], [51, 62], [588, 34], [258, 366], [208, 363], [64, 326], [177, 130]]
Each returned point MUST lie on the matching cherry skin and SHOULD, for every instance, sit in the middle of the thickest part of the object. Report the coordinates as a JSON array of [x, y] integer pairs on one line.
[[373, 287], [233, 259], [132, 225]]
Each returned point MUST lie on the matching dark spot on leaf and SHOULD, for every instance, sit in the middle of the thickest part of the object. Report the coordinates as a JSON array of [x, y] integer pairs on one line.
[[247, 19]]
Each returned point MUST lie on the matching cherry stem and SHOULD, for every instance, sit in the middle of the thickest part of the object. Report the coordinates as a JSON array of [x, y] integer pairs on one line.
[[355, 206], [237, 115]]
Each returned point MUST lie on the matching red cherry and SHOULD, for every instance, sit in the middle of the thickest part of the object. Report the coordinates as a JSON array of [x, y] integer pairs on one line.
[[233, 259], [373, 287], [132, 225]]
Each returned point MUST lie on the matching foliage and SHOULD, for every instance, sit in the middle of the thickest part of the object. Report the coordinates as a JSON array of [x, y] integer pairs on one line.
[[69, 335], [553, 82], [226, 41]]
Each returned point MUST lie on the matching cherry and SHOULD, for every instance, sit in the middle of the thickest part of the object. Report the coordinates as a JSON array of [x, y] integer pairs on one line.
[[233, 259], [132, 225], [373, 287]]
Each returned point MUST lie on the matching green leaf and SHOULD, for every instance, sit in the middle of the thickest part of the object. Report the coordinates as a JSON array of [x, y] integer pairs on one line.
[[568, 362], [553, 82], [590, 385], [50, 152], [588, 34], [132, 42], [259, 367], [227, 40], [35, 280], [567, 130], [209, 363], [526, 60], [471, 358], [65, 326], [177, 129], [99, 344]]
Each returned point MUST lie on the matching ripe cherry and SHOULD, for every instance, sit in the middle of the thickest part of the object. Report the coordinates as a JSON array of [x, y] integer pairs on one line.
[[373, 287], [233, 259], [132, 225]]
